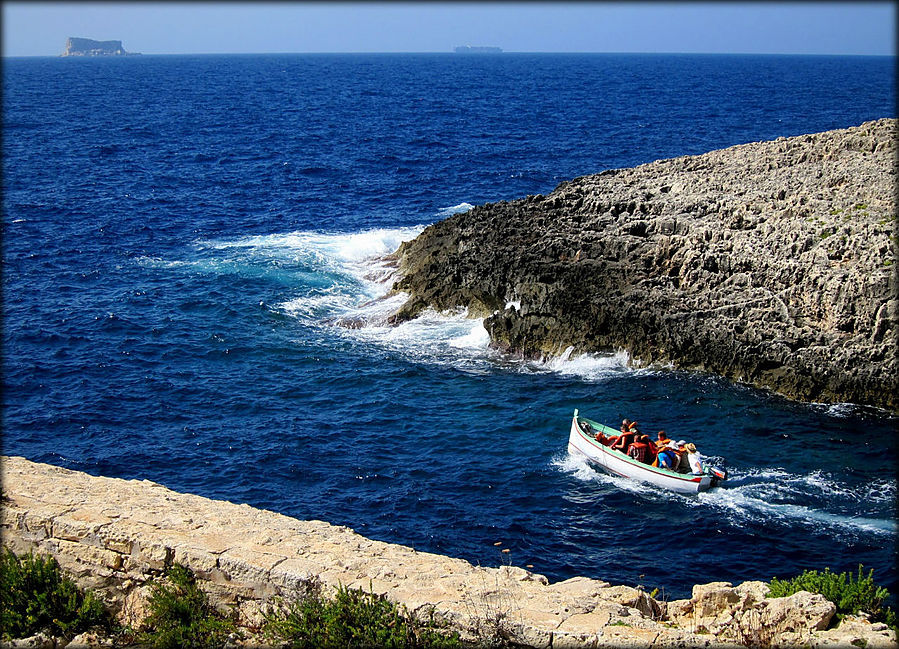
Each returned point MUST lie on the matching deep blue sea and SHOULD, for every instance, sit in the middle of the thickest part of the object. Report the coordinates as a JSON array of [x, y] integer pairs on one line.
[[180, 234]]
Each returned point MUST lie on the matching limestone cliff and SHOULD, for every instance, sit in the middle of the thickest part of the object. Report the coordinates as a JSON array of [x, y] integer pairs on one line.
[[88, 47], [771, 263], [117, 536]]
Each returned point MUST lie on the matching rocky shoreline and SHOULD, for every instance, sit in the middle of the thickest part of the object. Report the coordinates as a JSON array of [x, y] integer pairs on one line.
[[770, 263], [116, 536]]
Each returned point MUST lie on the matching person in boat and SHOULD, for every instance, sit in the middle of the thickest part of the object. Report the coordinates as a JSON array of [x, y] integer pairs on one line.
[[642, 449], [653, 449], [693, 458], [626, 438], [662, 439], [667, 457]]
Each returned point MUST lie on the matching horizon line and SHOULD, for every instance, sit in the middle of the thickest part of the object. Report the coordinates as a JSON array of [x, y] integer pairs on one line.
[[448, 53]]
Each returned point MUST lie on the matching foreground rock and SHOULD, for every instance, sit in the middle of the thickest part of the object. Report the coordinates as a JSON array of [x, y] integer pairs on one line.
[[115, 536], [772, 263]]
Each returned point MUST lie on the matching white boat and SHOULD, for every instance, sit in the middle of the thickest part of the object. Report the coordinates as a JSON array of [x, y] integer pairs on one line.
[[615, 462]]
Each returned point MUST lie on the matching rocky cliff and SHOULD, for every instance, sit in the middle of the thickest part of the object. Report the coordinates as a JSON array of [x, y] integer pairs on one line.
[[88, 47], [116, 536], [771, 263]]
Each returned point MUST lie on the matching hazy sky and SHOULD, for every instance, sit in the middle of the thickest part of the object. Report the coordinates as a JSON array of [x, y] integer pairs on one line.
[[41, 29]]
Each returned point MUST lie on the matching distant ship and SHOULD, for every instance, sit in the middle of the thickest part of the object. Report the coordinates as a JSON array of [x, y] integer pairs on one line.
[[468, 49]]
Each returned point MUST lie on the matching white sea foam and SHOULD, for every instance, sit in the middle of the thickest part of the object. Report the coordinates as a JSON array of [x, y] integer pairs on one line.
[[454, 209], [358, 252], [357, 301], [342, 284], [771, 502], [578, 467], [765, 495], [477, 338], [590, 367], [449, 338]]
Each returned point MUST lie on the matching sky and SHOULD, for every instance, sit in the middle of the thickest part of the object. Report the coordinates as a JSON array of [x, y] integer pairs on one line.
[[41, 28]]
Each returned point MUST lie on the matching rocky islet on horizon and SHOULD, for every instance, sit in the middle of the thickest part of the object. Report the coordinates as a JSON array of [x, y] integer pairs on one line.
[[770, 263], [88, 47]]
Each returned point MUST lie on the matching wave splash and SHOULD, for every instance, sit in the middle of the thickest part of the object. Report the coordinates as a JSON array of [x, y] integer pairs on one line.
[[341, 283]]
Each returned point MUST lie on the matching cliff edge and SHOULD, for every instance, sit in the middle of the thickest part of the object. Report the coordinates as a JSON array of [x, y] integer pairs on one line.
[[770, 263]]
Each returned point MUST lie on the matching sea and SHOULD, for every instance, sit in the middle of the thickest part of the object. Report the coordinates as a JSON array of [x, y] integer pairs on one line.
[[185, 239]]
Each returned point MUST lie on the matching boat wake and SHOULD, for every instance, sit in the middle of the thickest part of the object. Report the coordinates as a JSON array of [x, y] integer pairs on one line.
[[770, 496]]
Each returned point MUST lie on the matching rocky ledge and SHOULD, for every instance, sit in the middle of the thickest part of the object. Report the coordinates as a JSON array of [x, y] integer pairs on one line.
[[770, 263], [115, 536]]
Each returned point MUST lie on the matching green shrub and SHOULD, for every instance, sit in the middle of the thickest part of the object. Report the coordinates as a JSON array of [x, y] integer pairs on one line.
[[850, 596], [36, 597], [181, 615], [353, 619]]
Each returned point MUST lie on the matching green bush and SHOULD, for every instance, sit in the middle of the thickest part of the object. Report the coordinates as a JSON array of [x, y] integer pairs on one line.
[[850, 596], [353, 619], [181, 615], [36, 597]]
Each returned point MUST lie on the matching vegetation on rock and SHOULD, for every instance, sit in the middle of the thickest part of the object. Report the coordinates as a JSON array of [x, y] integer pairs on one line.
[[851, 596], [182, 616], [354, 618], [36, 597]]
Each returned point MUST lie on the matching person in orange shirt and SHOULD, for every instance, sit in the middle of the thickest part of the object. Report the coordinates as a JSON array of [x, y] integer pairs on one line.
[[626, 438]]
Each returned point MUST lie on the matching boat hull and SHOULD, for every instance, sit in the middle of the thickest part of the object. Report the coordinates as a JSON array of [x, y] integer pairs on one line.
[[617, 463]]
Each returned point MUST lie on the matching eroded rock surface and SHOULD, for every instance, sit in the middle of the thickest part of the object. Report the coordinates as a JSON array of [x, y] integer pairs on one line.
[[115, 536], [772, 263]]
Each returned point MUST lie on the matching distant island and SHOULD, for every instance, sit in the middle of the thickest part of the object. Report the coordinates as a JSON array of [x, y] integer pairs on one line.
[[89, 47], [468, 49]]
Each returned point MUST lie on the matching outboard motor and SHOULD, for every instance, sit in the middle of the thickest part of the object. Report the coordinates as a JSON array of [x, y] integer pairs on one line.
[[718, 475]]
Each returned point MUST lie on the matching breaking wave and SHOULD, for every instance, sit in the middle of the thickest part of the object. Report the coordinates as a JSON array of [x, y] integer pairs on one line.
[[341, 283]]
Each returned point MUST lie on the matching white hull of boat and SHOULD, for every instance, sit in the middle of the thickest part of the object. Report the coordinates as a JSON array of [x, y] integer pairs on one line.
[[617, 463]]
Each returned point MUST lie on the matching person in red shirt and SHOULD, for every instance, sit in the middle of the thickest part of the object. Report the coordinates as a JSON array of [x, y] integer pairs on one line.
[[642, 449]]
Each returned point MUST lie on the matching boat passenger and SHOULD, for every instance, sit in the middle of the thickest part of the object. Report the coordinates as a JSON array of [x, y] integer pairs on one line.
[[625, 439], [680, 451], [668, 458], [653, 449], [694, 458], [640, 449], [662, 439]]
